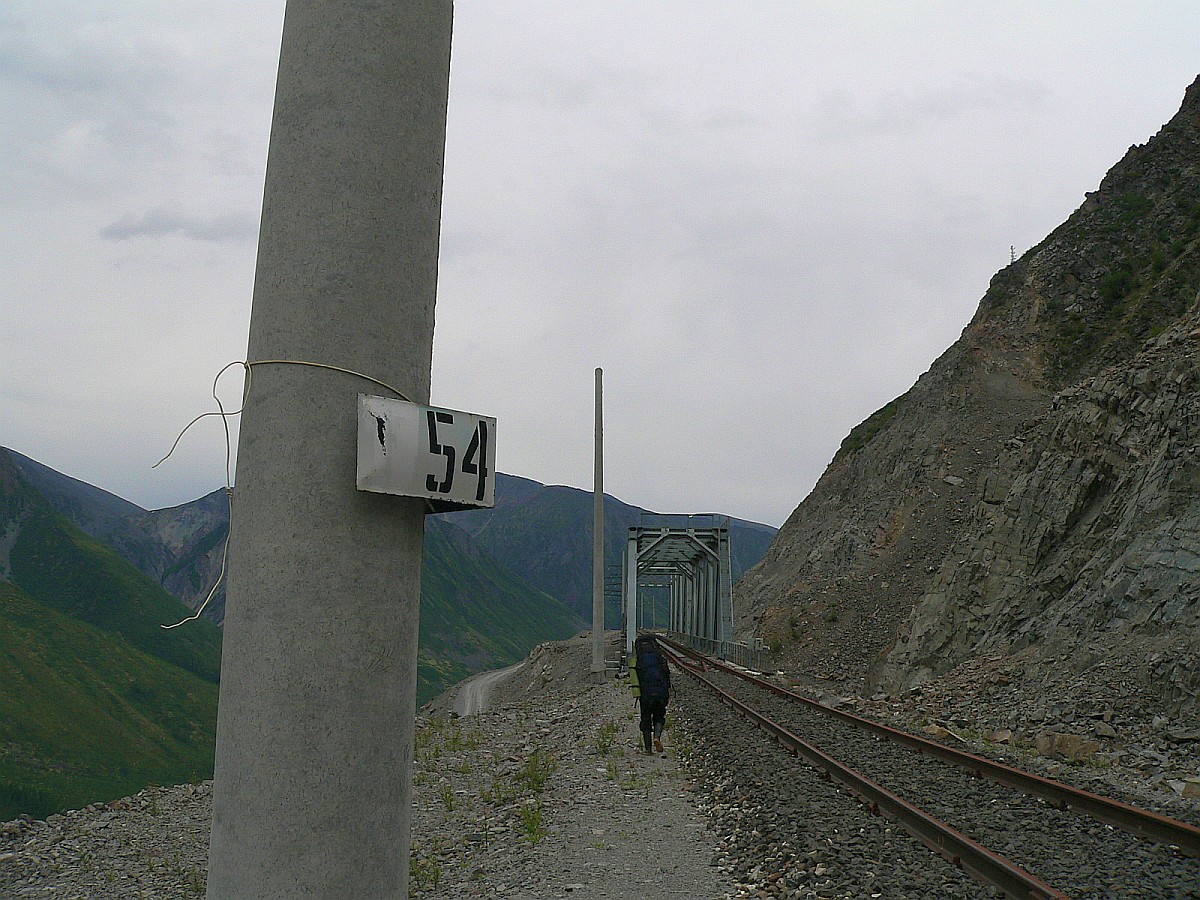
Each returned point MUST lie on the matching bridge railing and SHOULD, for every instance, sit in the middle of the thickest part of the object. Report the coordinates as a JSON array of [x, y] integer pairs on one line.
[[736, 652]]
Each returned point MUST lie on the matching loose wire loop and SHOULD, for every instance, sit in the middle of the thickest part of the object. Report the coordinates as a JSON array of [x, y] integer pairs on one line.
[[220, 411]]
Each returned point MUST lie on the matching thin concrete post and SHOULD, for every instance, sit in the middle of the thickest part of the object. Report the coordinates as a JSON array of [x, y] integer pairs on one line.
[[598, 669], [689, 605], [315, 726]]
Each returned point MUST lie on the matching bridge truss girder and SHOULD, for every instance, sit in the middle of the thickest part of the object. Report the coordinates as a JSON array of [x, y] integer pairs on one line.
[[692, 553]]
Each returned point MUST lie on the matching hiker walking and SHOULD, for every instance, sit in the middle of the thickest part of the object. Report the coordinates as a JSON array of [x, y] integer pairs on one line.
[[650, 680]]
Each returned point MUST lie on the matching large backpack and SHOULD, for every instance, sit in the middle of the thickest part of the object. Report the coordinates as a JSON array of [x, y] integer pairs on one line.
[[654, 679]]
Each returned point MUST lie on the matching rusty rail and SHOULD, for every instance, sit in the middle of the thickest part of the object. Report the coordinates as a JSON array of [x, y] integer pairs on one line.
[[1143, 823], [983, 865]]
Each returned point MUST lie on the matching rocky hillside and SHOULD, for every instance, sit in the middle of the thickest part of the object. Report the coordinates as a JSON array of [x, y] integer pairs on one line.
[[1035, 492]]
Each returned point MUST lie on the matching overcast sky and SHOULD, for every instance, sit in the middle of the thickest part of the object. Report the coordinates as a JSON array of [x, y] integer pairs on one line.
[[764, 221]]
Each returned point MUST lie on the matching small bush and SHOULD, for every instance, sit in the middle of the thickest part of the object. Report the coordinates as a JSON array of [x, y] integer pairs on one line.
[[533, 820], [446, 791], [536, 771], [606, 737]]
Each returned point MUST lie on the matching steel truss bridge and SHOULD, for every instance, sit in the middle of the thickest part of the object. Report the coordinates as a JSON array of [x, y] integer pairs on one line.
[[689, 556]]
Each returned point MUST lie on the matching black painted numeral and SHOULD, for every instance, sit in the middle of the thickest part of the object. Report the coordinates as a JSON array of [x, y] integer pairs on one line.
[[446, 450], [474, 461], [477, 448]]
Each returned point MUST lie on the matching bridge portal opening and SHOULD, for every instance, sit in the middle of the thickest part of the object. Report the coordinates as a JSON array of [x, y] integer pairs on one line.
[[688, 558]]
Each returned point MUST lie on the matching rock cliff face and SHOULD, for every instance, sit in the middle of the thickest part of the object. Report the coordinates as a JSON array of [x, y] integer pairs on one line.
[[1093, 549], [1036, 490]]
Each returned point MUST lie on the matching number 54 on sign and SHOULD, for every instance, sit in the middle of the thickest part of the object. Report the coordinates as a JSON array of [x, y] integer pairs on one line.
[[444, 455]]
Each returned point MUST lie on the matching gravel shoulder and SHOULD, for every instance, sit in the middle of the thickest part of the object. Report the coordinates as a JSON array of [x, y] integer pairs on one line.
[[541, 795], [541, 800]]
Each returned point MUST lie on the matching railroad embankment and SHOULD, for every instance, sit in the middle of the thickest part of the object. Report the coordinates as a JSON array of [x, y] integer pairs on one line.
[[542, 795]]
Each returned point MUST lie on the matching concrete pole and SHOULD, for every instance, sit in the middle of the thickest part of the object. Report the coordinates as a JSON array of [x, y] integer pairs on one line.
[[598, 670], [315, 726]]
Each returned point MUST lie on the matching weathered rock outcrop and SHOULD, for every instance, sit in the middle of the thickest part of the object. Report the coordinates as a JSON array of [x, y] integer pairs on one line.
[[1035, 488], [1093, 549]]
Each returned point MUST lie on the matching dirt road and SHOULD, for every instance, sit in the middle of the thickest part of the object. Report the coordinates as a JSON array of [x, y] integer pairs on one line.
[[472, 696]]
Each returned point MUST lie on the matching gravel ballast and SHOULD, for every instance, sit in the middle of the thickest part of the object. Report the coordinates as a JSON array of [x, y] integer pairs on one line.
[[1073, 853], [540, 796]]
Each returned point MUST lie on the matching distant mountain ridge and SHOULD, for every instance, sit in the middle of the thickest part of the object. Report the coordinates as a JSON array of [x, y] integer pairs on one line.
[[182, 547], [540, 533], [544, 534], [179, 547], [57, 563], [525, 567]]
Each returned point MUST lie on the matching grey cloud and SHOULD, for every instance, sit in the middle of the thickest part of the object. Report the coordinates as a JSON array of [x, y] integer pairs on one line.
[[80, 108], [169, 220], [117, 77], [728, 118], [840, 115]]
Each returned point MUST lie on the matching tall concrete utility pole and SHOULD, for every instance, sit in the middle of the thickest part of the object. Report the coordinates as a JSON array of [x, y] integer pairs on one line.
[[315, 727], [598, 669]]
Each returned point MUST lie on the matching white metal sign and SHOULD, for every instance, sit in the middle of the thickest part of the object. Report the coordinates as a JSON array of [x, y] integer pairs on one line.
[[444, 455]]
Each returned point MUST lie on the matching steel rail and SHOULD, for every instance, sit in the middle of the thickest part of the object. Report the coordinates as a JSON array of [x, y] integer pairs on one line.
[[986, 867], [1143, 823]]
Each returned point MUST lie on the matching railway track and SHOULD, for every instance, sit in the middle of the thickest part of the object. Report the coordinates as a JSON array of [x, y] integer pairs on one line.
[[1014, 833]]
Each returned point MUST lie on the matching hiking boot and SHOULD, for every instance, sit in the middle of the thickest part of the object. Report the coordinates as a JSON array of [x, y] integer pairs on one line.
[[658, 745]]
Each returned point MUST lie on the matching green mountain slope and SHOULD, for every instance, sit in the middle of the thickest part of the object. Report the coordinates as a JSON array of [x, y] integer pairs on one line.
[[86, 717], [476, 615], [96, 699], [59, 565], [179, 547]]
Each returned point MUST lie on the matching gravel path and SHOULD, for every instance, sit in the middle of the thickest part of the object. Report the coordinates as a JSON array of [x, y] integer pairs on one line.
[[529, 803], [537, 799], [473, 693]]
